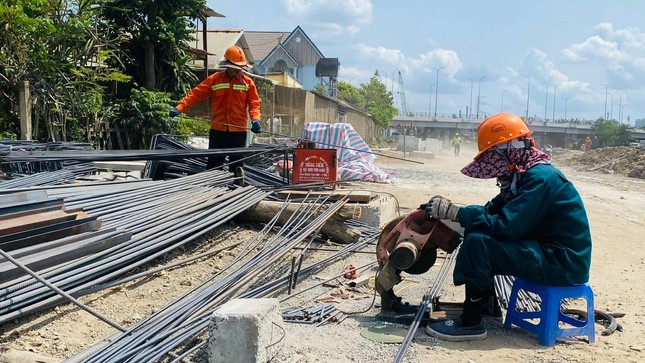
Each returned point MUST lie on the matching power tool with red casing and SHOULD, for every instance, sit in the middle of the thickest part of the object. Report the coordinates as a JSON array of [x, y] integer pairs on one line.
[[409, 244]]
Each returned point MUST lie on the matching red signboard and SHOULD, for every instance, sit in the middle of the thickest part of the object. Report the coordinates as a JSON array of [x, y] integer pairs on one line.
[[314, 165]]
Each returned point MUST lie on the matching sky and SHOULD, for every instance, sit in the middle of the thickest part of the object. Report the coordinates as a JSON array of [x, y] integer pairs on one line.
[[512, 53]]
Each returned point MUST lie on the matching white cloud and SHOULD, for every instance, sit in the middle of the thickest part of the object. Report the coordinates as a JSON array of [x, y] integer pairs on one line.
[[592, 48], [424, 63], [339, 16], [619, 52], [389, 56]]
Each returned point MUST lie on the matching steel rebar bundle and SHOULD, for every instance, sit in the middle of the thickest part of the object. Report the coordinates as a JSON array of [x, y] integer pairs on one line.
[[183, 320], [161, 216], [65, 175]]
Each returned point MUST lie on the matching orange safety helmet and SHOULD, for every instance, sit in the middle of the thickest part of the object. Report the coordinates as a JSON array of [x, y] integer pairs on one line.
[[499, 129], [235, 55]]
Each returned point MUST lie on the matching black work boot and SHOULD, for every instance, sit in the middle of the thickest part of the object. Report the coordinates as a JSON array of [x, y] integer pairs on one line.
[[392, 304], [469, 326], [388, 300]]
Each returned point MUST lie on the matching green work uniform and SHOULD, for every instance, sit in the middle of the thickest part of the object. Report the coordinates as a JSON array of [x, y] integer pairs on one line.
[[542, 234]]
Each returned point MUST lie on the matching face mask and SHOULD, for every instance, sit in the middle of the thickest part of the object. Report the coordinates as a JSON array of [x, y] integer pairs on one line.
[[505, 184]]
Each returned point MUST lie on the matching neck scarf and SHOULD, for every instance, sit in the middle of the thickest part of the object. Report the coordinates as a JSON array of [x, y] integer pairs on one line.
[[494, 163]]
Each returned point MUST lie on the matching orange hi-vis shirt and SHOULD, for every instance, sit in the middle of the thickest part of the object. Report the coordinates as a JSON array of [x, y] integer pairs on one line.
[[229, 100]]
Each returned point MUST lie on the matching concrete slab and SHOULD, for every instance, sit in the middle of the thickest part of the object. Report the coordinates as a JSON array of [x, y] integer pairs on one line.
[[381, 209], [246, 330]]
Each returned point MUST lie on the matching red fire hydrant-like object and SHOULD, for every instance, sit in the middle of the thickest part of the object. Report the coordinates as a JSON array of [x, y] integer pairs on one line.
[[351, 273]]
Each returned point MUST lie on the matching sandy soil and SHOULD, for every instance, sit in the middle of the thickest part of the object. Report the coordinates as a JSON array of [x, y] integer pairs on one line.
[[616, 213]]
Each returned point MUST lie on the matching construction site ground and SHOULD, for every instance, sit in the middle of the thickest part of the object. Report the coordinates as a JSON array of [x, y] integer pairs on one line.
[[615, 206]]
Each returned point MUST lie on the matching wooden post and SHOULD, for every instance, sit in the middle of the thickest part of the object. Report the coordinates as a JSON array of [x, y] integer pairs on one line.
[[25, 112]]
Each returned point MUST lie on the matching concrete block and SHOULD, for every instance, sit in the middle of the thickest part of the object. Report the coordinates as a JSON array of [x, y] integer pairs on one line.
[[246, 330], [407, 143], [379, 211]]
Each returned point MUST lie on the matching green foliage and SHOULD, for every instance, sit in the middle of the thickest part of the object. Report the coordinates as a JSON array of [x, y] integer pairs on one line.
[[320, 89], [611, 132], [372, 97], [153, 34], [347, 92], [193, 126], [58, 49], [141, 116], [378, 101]]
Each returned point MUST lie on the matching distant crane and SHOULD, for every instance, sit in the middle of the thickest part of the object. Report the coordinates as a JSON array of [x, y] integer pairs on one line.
[[404, 105]]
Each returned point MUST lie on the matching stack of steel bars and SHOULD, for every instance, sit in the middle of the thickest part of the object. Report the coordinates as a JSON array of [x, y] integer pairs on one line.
[[319, 315], [9, 146], [66, 175], [160, 215], [177, 329]]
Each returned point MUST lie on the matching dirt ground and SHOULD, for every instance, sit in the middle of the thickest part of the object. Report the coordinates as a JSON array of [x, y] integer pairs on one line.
[[615, 206]]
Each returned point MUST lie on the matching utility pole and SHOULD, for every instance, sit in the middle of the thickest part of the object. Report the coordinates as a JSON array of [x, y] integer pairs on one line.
[[620, 105], [566, 101], [430, 103], [436, 91], [479, 87], [555, 90], [470, 106], [528, 97], [546, 102], [605, 116]]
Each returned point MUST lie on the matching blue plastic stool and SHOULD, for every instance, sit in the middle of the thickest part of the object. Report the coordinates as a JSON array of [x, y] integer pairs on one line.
[[548, 328]]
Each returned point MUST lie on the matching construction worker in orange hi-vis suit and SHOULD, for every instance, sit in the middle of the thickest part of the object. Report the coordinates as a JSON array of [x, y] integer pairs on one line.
[[234, 96]]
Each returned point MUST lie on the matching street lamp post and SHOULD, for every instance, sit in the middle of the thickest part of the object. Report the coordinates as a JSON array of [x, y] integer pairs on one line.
[[604, 115], [546, 101], [479, 87], [528, 97], [566, 101], [501, 109], [623, 112], [470, 106], [430, 103], [436, 91], [611, 109], [620, 107], [555, 90]]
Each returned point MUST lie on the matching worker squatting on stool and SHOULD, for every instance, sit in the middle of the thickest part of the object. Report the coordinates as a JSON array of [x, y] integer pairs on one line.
[[535, 228]]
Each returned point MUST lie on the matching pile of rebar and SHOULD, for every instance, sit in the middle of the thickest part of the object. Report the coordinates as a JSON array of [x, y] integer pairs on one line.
[[67, 174], [160, 215], [176, 330], [23, 146], [318, 315]]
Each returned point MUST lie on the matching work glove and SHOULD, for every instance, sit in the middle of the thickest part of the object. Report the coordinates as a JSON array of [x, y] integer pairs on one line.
[[441, 208], [255, 127], [173, 112]]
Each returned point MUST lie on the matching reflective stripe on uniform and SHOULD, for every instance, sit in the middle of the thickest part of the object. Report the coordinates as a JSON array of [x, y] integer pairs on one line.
[[215, 87], [241, 87]]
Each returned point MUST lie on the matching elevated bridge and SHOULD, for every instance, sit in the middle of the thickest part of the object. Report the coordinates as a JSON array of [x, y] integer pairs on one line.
[[444, 126]]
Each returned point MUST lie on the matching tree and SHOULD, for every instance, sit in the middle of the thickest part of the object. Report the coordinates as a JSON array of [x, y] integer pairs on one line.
[[372, 97], [320, 89], [611, 132], [154, 34], [378, 101], [347, 92], [58, 48]]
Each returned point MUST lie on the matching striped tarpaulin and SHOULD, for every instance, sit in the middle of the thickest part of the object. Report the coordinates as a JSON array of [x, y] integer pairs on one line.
[[355, 160]]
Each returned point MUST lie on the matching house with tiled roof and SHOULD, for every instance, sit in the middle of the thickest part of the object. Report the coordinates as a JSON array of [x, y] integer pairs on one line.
[[278, 52]]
